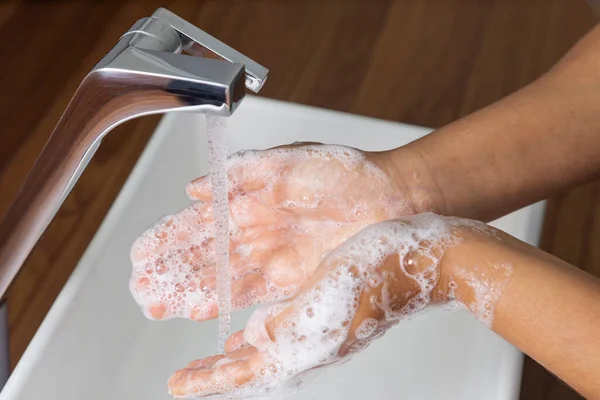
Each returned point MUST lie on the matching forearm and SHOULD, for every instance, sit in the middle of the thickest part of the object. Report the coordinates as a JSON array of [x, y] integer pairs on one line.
[[547, 308], [527, 147], [551, 311]]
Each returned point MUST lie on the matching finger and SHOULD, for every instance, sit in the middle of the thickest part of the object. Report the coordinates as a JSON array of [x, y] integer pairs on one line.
[[298, 144], [248, 171], [199, 189], [157, 254], [251, 211], [283, 270], [248, 290], [204, 312], [157, 311], [245, 292], [236, 342], [170, 232], [205, 363], [174, 270], [242, 353], [226, 375]]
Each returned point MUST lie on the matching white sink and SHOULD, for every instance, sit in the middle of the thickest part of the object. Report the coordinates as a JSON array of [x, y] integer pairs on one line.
[[95, 343]]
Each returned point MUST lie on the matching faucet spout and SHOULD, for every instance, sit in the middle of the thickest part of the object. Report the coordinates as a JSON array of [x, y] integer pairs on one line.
[[145, 73]]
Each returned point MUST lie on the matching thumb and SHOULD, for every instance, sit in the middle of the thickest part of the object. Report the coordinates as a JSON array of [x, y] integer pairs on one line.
[[247, 171]]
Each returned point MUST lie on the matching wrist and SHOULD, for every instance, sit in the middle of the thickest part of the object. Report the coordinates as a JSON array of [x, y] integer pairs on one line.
[[474, 273], [408, 169]]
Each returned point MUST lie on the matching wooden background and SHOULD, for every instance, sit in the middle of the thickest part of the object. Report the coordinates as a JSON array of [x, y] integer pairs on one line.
[[424, 62]]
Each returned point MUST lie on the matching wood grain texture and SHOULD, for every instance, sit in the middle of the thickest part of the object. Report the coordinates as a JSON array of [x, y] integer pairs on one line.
[[424, 62]]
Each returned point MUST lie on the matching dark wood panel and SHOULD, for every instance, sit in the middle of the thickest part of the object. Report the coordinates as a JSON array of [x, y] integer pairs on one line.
[[425, 62]]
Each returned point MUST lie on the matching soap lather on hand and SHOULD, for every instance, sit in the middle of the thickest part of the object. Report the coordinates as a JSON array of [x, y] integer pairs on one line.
[[288, 207]]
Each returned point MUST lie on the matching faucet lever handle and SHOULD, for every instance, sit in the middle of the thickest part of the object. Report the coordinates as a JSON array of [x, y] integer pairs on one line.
[[197, 42]]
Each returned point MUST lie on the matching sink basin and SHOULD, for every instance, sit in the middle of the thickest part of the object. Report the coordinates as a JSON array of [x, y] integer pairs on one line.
[[95, 343]]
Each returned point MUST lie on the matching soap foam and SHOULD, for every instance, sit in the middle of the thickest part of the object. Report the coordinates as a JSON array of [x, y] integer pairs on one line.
[[320, 318], [313, 176], [171, 275], [487, 287], [276, 187]]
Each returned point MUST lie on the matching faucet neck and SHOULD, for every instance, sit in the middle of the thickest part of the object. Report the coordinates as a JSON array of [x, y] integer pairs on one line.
[[143, 74]]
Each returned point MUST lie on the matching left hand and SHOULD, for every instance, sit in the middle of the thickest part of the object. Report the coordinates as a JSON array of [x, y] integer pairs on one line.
[[288, 207]]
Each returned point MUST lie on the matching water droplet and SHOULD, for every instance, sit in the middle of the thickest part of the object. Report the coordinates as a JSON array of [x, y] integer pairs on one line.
[[310, 313], [149, 270], [179, 287], [161, 234]]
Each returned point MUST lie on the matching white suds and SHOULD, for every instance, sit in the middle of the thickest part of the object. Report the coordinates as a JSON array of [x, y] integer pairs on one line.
[[277, 210]]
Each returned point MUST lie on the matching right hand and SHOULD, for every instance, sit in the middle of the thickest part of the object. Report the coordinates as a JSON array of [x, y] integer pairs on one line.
[[289, 207], [385, 273]]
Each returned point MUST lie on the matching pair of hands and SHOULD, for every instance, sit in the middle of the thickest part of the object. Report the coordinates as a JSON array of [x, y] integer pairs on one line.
[[308, 240]]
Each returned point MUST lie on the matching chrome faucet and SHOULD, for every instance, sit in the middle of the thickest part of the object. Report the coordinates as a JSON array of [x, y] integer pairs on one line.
[[145, 73]]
